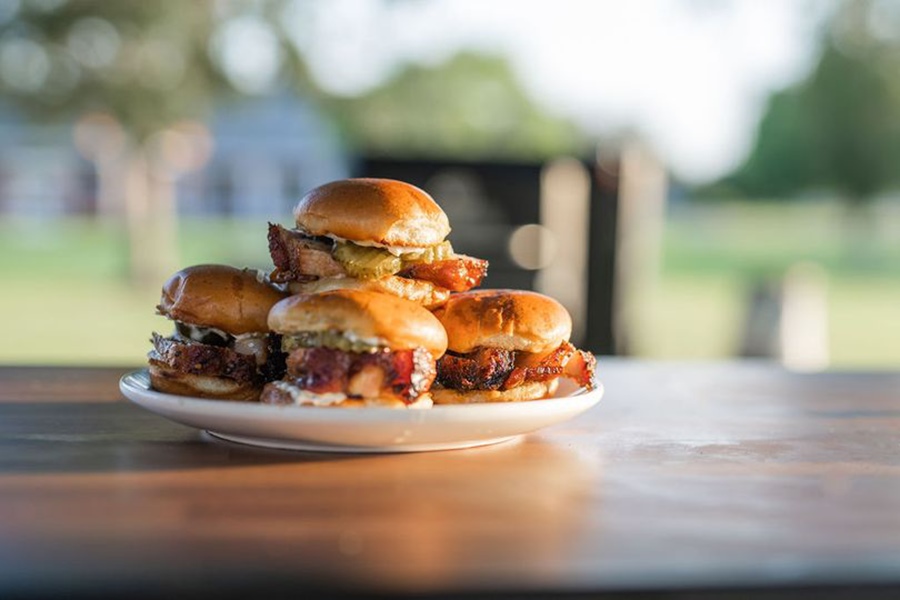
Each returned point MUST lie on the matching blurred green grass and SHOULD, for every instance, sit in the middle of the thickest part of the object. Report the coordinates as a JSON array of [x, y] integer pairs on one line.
[[66, 295], [67, 300]]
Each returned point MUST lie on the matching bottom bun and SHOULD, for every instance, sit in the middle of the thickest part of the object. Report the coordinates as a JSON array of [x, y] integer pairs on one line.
[[534, 390], [416, 290], [201, 386]]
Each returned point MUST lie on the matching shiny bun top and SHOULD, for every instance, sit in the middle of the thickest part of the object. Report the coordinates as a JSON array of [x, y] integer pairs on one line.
[[381, 211], [236, 301], [507, 319], [394, 322]]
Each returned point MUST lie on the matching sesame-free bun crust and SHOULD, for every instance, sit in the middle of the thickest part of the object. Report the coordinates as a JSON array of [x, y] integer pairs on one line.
[[383, 211], [506, 319], [171, 381], [219, 296], [415, 290], [398, 323], [534, 390]]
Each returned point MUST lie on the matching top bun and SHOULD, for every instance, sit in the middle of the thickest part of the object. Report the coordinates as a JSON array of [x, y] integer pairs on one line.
[[506, 319], [234, 300], [394, 322], [382, 211]]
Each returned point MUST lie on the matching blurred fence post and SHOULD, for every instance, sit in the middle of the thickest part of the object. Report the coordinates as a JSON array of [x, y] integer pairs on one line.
[[565, 209], [803, 335], [759, 338], [642, 190], [788, 320]]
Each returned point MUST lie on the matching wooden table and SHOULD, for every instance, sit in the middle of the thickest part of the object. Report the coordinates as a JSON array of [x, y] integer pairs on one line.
[[687, 480]]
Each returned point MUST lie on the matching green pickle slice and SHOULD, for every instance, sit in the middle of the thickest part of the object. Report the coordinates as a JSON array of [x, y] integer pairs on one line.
[[367, 263], [442, 251], [328, 339]]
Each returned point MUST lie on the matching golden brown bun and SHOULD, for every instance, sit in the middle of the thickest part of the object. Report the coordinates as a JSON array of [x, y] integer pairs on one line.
[[398, 323], [373, 210], [507, 319], [534, 390], [201, 386], [415, 290], [226, 298]]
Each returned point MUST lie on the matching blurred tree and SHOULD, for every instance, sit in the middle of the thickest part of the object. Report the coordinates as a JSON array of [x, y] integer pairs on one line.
[[137, 77], [470, 106], [841, 127], [143, 63], [127, 71]]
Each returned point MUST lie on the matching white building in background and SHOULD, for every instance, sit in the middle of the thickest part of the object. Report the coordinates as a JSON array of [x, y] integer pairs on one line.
[[266, 153]]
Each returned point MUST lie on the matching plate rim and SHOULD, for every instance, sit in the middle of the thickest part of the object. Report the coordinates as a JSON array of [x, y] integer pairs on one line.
[[324, 429], [132, 382]]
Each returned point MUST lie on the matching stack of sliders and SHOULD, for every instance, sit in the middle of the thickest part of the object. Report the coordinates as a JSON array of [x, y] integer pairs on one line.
[[367, 305]]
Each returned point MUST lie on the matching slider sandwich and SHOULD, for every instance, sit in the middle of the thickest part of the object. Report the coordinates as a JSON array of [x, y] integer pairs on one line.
[[372, 234], [221, 347], [352, 348], [507, 346]]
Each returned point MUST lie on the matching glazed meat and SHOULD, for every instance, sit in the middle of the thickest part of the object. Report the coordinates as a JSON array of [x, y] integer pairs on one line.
[[403, 374], [496, 369], [195, 358], [458, 274]]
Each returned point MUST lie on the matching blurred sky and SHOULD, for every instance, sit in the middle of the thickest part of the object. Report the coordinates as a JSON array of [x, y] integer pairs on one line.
[[691, 75]]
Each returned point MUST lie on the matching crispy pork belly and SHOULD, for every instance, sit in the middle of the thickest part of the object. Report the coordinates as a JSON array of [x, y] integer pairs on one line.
[[298, 257], [565, 361], [580, 368], [496, 369], [194, 358], [402, 374], [483, 369]]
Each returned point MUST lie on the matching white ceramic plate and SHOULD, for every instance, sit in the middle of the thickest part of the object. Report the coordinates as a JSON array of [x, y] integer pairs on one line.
[[361, 429]]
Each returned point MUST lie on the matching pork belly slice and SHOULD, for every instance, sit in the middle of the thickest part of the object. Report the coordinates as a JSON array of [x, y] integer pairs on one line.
[[401, 374], [195, 358], [298, 257], [460, 273], [497, 369]]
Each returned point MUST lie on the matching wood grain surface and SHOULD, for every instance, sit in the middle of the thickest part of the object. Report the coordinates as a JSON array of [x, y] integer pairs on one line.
[[716, 479]]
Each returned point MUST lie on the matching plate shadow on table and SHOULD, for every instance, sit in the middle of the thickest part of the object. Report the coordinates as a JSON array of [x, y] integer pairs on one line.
[[73, 438]]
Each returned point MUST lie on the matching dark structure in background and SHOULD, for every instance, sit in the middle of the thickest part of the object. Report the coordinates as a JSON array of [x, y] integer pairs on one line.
[[488, 202], [601, 335]]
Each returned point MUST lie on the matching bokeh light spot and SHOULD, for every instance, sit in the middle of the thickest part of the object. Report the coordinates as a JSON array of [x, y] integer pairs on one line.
[[24, 64], [93, 42], [532, 246]]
